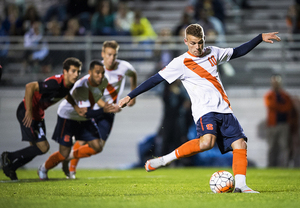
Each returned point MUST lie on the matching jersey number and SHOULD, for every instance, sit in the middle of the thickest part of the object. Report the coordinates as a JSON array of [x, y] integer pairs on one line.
[[212, 60]]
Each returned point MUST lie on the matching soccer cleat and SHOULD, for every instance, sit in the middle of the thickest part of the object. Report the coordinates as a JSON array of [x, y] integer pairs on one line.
[[42, 173], [10, 173], [245, 189], [4, 160], [65, 168], [72, 175], [154, 164]]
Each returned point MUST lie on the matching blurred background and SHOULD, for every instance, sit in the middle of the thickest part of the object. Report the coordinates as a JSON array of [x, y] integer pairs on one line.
[[36, 36]]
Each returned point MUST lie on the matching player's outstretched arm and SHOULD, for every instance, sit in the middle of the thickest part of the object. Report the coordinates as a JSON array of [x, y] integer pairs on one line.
[[269, 37], [124, 101]]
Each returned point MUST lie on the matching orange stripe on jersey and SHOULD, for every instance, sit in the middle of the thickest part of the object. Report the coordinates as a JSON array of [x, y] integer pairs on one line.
[[112, 91], [189, 63]]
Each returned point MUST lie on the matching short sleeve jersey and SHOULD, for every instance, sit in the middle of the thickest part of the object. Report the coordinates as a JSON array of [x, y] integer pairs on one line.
[[116, 80], [84, 95], [200, 77], [51, 90]]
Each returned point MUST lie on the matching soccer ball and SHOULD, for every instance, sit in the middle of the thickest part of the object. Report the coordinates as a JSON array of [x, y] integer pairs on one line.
[[221, 182]]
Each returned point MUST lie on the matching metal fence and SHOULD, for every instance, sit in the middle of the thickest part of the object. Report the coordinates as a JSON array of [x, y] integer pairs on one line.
[[252, 70]]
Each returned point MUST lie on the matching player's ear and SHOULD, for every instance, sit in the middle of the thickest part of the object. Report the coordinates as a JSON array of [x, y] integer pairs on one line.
[[185, 41]]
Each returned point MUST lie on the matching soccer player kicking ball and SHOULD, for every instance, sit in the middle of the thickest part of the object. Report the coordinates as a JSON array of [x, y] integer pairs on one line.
[[86, 92], [30, 113], [212, 113]]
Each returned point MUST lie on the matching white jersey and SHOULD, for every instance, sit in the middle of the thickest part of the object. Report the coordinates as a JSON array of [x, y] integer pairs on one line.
[[200, 77], [84, 95], [116, 80]]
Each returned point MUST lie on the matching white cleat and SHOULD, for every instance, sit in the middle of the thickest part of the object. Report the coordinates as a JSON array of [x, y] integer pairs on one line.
[[43, 174], [154, 164], [245, 189], [72, 175]]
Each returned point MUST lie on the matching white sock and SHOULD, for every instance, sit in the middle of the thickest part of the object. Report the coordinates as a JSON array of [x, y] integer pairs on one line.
[[169, 158], [71, 156], [240, 180]]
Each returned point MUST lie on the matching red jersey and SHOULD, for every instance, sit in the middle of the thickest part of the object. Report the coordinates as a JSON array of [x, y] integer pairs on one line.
[[52, 90]]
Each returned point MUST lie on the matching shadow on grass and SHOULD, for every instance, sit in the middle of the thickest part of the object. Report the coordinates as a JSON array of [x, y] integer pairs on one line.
[[32, 180]]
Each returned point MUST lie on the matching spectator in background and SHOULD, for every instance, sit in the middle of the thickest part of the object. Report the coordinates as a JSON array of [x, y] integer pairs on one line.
[[37, 51], [72, 31], [213, 26], [31, 16], [279, 108], [184, 22], [215, 7], [142, 30], [56, 11], [124, 19], [103, 20], [54, 30], [81, 9], [12, 23]]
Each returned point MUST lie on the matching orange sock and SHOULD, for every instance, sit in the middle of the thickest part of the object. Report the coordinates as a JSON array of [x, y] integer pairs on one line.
[[74, 162], [239, 161], [53, 160], [84, 151], [188, 149]]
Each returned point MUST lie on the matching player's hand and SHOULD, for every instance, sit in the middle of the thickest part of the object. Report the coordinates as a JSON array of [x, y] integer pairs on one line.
[[80, 111], [269, 37], [116, 108], [108, 108], [123, 102], [27, 120], [131, 102]]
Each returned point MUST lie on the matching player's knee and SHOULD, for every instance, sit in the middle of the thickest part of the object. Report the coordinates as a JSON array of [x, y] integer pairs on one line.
[[98, 148], [206, 142], [44, 147]]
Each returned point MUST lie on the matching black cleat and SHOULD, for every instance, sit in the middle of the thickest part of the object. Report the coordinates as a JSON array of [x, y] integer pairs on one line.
[[10, 173], [4, 160], [65, 168]]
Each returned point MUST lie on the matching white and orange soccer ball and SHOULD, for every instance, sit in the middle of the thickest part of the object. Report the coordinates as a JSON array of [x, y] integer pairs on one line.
[[221, 182]]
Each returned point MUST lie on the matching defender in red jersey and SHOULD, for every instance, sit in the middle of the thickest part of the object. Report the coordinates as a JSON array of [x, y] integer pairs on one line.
[[30, 113]]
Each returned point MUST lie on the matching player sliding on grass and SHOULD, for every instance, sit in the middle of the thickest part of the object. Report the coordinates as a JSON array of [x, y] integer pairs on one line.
[[212, 113]]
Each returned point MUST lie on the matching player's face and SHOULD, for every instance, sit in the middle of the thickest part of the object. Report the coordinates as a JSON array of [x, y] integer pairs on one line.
[[195, 44], [72, 75], [96, 75], [109, 56]]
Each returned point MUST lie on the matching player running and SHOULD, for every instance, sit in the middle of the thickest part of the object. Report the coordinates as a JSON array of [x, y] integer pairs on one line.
[[30, 113], [212, 113], [86, 92], [116, 71]]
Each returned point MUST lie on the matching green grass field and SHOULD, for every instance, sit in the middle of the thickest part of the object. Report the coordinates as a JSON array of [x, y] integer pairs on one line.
[[171, 188]]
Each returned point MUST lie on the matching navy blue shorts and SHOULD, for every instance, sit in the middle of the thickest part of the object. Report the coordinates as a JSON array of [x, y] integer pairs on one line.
[[65, 129], [105, 123], [225, 127], [37, 130]]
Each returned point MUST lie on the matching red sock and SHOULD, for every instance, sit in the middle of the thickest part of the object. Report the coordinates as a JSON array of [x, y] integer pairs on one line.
[[53, 160], [239, 161], [74, 162], [188, 149], [84, 151]]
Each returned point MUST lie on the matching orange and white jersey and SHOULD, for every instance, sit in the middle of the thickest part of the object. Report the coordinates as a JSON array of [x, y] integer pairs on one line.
[[116, 80], [84, 95], [200, 77]]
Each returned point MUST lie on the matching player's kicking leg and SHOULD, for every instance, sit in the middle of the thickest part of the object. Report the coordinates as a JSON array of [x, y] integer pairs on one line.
[[188, 149]]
